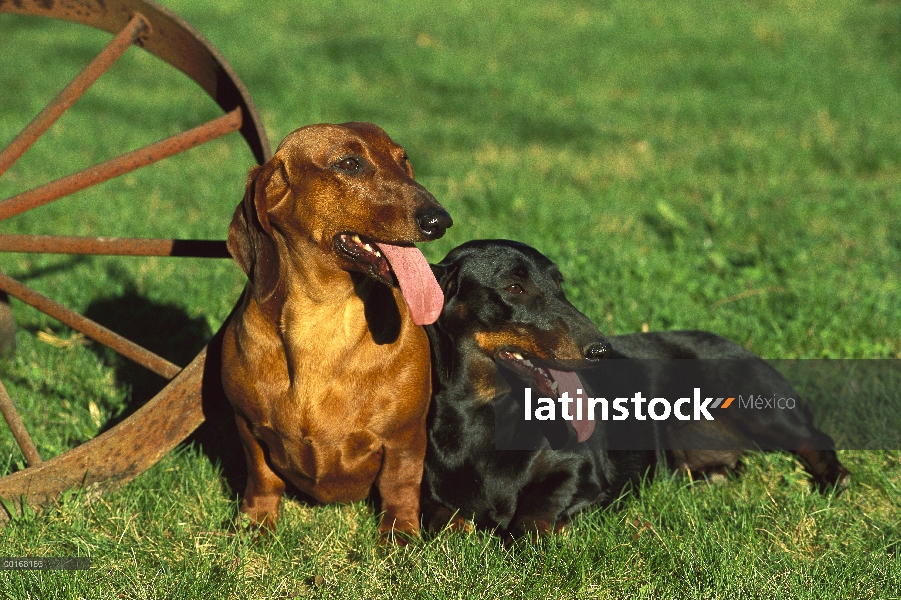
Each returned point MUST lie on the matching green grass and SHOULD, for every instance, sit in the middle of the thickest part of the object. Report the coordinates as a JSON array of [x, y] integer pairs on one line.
[[733, 167]]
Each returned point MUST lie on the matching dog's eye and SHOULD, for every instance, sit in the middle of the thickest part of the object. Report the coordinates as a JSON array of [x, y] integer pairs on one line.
[[515, 289], [349, 165]]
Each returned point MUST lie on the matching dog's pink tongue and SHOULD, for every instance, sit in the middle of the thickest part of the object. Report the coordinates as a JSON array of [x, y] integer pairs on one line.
[[417, 283], [568, 381]]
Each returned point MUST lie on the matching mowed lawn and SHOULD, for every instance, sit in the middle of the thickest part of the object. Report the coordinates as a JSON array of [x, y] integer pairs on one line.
[[733, 167]]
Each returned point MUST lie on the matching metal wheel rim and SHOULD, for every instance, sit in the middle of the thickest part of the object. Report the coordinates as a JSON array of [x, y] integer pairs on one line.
[[122, 453]]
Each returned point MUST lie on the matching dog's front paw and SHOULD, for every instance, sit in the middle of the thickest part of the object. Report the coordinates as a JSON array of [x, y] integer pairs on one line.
[[397, 532], [534, 529], [834, 481], [257, 517], [398, 537], [441, 518]]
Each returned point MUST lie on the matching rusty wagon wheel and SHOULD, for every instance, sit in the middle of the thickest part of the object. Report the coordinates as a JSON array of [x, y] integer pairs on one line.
[[123, 452]]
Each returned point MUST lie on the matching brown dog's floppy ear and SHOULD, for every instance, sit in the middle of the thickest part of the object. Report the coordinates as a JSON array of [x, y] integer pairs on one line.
[[250, 236], [240, 241]]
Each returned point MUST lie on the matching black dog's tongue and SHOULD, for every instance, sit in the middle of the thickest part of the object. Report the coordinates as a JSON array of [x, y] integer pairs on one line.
[[568, 381]]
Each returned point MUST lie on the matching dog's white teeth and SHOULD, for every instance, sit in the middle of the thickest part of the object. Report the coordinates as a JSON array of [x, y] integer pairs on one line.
[[368, 248], [357, 239], [528, 363], [554, 386], [377, 253], [517, 356]]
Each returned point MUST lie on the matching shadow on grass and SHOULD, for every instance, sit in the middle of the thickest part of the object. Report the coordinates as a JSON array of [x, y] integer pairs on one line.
[[168, 331], [164, 329], [217, 436]]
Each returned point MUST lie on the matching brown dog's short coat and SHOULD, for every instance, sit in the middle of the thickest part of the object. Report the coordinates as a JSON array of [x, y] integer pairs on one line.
[[324, 359]]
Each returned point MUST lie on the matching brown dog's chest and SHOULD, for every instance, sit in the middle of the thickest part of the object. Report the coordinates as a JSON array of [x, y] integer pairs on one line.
[[330, 430], [346, 395]]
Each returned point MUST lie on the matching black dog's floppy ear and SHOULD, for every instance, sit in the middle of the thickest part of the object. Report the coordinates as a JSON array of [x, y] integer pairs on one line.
[[250, 236], [447, 279]]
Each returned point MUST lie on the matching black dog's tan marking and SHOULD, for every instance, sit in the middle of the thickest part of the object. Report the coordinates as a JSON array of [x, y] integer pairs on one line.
[[491, 342], [503, 300]]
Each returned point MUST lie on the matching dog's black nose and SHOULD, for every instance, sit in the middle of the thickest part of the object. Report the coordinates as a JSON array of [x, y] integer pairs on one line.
[[433, 222], [596, 351]]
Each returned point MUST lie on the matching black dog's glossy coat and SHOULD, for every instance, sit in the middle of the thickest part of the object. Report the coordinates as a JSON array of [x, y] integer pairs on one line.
[[503, 296]]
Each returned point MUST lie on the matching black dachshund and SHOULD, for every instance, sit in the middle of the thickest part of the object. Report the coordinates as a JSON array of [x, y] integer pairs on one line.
[[507, 326]]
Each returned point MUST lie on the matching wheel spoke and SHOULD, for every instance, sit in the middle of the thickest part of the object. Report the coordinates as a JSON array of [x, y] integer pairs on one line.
[[135, 28], [120, 454], [17, 427], [92, 329], [123, 164], [123, 452], [59, 244]]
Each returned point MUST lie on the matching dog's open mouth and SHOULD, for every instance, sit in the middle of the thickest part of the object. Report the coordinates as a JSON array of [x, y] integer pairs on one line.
[[545, 382], [366, 253], [401, 265], [551, 383]]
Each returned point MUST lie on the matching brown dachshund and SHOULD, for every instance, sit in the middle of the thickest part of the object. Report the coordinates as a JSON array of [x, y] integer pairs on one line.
[[324, 359]]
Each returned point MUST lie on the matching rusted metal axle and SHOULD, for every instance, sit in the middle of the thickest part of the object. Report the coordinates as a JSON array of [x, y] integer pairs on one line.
[[58, 244]]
